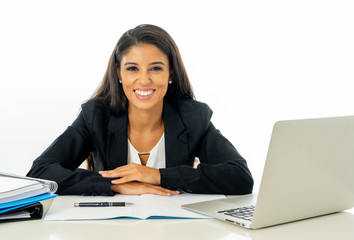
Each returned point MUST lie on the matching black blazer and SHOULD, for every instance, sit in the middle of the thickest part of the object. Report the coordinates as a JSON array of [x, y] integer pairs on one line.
[[189, 133]]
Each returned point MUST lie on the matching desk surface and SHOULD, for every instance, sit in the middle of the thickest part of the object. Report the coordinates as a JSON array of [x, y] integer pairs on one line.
[[333, 226]]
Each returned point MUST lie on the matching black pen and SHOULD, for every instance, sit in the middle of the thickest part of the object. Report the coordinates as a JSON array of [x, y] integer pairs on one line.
[[102, 204]]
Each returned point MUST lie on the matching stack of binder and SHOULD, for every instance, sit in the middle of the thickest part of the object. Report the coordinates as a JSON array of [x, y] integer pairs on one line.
[[20, 196]]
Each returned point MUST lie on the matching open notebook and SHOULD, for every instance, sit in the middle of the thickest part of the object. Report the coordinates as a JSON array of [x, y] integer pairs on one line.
[[144, 207]]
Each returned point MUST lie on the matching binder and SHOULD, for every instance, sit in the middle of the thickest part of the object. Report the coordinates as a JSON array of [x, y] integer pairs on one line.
[[20, 196], [6, 207], [29, 212]]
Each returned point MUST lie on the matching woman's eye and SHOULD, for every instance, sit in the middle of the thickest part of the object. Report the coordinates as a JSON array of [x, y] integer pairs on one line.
[[156, 68], [132, 69]]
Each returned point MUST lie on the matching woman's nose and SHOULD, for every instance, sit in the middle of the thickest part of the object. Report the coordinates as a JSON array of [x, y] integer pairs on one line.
[[144, 78]]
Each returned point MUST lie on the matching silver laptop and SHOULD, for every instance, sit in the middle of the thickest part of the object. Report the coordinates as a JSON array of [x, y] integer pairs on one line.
[[309, 172]]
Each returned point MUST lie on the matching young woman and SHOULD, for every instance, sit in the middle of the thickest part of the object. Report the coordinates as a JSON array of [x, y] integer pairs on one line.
[[142, 131]]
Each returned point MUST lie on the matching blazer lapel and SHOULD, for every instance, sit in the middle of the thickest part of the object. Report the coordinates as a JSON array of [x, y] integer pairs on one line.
[[117, 143], [176, 137]]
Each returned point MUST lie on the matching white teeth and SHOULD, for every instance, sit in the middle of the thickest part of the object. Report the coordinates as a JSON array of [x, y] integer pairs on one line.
[[144, 93]]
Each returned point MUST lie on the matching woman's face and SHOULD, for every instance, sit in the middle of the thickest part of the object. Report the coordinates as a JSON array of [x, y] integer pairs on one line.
[[145, 72]]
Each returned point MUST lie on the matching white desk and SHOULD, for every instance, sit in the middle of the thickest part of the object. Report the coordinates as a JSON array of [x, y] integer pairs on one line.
[[333, 226]]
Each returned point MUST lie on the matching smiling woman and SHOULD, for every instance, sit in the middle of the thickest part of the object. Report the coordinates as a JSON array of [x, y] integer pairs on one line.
[[142, 131]]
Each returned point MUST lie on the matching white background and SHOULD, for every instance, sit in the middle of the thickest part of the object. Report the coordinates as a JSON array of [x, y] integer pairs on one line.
[[253, 62]]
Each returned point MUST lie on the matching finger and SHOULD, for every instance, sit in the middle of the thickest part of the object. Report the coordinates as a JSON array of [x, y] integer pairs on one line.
[[168, 191], [138, 188], [111, 173], [142, 175], [160, 192], [115, 173], [133, 172], [125, 179], [120, 171]]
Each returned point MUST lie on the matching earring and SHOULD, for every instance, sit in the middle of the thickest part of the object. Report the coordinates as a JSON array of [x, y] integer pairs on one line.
[[120, 81], [170, 82]]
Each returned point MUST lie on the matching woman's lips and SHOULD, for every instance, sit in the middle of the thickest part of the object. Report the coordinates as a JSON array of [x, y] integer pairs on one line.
[[144, 94]]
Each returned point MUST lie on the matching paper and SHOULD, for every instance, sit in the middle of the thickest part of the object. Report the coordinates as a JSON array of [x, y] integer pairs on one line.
[[145, 206], [9, 185], [12, 189], [15, 187], [21, 214]]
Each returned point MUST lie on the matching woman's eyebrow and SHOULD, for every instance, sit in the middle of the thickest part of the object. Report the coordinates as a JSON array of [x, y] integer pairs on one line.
[[153, 63], [130, 63]]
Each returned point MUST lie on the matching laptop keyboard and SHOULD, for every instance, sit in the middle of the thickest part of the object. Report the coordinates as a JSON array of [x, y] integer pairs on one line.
[[245, 213]]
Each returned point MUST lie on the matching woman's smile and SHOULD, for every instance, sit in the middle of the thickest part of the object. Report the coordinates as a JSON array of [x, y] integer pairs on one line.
[[144, 94]]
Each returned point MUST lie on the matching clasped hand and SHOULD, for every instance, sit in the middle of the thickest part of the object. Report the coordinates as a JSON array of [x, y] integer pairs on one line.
[[136, 179]]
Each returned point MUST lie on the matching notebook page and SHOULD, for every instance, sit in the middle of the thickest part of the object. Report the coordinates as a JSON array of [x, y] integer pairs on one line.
[[62, 208], [170, 207]]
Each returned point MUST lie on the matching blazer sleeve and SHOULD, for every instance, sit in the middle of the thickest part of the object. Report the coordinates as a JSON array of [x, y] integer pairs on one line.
[[222, 170], [61, 160]]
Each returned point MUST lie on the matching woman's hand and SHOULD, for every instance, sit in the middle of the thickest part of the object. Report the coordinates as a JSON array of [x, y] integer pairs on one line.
[[138, 188], [133, 172], [136, 179]]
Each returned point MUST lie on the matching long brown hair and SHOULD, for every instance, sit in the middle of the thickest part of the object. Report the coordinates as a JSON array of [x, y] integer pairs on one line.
[[111, 91]]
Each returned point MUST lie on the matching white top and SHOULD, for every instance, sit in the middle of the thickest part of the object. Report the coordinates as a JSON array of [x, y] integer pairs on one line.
[[157, 158]]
